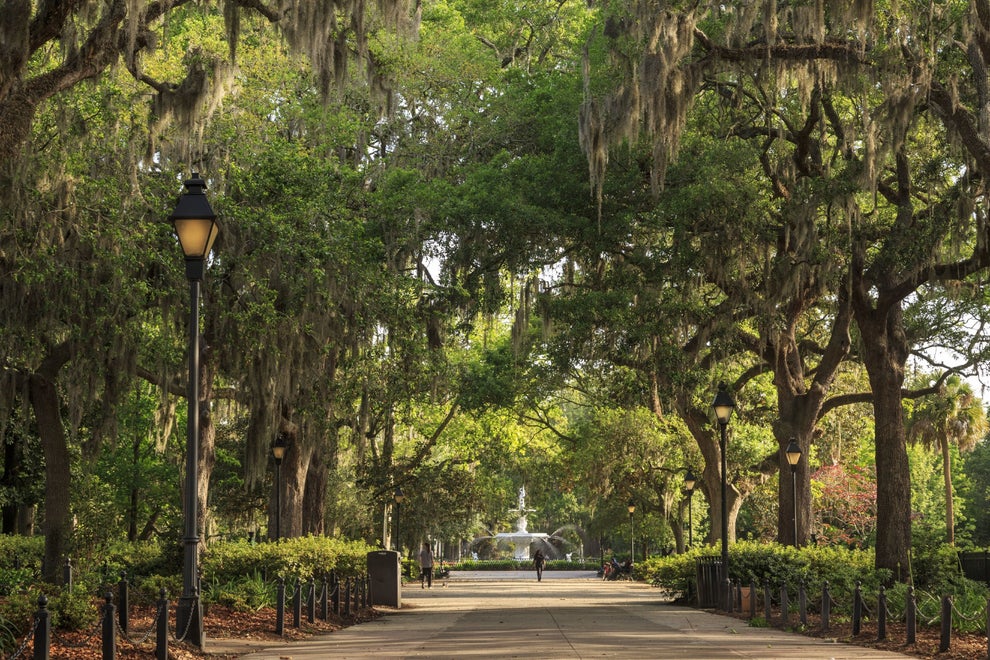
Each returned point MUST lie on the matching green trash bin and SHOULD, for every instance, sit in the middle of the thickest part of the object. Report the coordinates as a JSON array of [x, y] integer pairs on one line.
[[385, 575]]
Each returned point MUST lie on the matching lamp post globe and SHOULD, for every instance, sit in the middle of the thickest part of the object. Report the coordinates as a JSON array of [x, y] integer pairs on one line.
[[279, 448], [631, 507], [398, 496], [793, 454], [196, 227], [689, 482], [723, 406]]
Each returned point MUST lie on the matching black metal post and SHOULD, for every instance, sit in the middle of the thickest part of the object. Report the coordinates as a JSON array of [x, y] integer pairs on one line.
[[827, 606], [857, 608], [42, 630], [882, 614], [794, 495], [311, 601], [122, 598], [725, 506], [690, 521], [189, 611], [398, 511], [280, 606], [632, 539], [67, 573], [325, 599], [803, 603], [785, 606], [278, 500], [946, 636], [297, 605], [911, 617], [161, 632], [109, 632]]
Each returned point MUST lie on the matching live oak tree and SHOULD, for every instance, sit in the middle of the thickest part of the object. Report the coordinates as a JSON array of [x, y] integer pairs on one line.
[[911, 217]]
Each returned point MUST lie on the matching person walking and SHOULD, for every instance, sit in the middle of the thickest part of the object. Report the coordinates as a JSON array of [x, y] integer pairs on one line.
[[426, 567], [539, 561]]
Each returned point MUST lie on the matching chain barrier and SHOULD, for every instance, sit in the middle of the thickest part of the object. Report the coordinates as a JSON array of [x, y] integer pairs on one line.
[[27, 639], [981, 616], [938, 604], [177, 640], [127, 638]]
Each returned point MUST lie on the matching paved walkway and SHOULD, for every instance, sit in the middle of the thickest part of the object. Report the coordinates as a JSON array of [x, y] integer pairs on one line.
[[514, 616]]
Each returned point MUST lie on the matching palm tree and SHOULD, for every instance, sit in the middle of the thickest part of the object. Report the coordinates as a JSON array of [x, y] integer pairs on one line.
[[955, 415]]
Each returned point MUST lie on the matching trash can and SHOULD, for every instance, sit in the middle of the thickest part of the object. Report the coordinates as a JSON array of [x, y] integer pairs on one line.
[[385, 575], [708, 570]]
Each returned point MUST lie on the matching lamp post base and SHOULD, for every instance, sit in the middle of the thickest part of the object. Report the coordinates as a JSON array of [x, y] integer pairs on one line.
[[189, 621]]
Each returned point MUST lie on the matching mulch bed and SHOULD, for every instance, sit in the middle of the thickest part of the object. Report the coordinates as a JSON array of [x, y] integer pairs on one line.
[[221, 624], [962, 646]]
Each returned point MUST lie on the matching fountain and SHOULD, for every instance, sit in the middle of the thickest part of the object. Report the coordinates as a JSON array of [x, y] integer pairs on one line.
[[522, 537]]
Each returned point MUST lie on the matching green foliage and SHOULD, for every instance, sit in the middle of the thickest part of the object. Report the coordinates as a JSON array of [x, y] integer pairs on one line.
[[25, 551], [245, 594], [297, 557]]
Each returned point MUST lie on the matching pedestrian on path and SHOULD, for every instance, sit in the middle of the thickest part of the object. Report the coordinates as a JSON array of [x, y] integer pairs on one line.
[[426, 567], [539, 561]]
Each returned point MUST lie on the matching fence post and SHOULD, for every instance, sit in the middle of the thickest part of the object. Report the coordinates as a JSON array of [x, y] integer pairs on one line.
[[784, 606], [324, 599], [67, 573], [109, 632], [911, 616], [161, 632], [826, 606], [311, 600], [347, 596], [727, 594], [803, 603], [368, 599], [297, 605], [335, 586], [857, 608], [882, 614], [767, 601], [280, 606], [752, 599], [943, 644], [42, 630], [123, 600]]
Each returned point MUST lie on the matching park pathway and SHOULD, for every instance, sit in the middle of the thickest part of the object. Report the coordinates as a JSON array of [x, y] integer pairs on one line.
[[514, 616]]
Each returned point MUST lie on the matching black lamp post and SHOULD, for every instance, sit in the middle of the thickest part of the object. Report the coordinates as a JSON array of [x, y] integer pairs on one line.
[[196, 226], [398, 496], [632, 531], [689, 482], [723, 405], [278, 453], [793, 453]]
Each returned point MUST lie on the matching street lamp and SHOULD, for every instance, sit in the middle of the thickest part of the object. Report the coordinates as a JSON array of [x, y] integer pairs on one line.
[[632, 531], [689, 482], [278, 453], [398, 496], [793, 453], [196, 226], [723, 405]]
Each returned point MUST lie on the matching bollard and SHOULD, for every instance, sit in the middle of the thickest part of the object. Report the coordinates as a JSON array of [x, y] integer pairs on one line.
[[161, 630], [123, 600], [727, 594], [752, 599], [803, 603], [369, 599], [280, 606], [42, 630], [67, 573], [347, 596], [857, 608], [784, 606], [911, 616], [767, 602], [882, 614], [311, 601], [988, 621], [335, 585], [297, 605], [943, 644], [324, 601], [826, 606], [109, 632]]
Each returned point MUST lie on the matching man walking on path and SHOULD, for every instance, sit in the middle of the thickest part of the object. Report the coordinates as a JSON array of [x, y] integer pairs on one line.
[[426, 567], [539, 561]]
